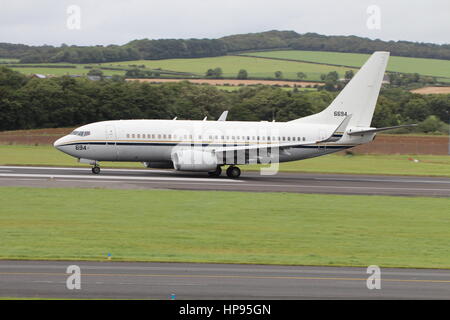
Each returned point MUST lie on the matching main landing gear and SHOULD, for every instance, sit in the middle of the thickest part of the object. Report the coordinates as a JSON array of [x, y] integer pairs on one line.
[[232, 172], [96, 169], [216, 173]]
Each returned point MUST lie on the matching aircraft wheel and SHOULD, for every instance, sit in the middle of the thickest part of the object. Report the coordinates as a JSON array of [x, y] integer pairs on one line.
[[216, 173], [96, 170], [233, 172]]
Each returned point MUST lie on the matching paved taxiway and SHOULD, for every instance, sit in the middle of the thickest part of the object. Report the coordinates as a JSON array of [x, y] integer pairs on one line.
[[249, 181], [216, 281]]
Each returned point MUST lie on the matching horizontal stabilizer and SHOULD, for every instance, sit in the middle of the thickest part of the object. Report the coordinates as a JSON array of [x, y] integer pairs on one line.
[[356, 132]]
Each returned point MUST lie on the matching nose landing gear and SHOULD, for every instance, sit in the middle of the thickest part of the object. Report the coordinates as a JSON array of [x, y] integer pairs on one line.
[[96, 169]]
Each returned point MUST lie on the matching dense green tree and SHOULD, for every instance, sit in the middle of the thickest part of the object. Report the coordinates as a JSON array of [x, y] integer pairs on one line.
[[278, 74], [349, 74], [432, 124], [416, 109], [95, 72], [242, 74], [301, 75]]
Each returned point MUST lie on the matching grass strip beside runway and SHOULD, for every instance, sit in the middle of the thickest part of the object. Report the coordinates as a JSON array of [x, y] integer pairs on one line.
[[224, 227], [427, 165]]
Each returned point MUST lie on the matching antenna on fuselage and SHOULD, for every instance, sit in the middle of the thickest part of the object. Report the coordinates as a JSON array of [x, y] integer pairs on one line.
[[174, 118], [204, 119], [223, 116]]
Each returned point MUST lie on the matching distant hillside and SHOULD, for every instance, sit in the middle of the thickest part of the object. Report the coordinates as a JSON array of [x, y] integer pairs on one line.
[[194, 48]]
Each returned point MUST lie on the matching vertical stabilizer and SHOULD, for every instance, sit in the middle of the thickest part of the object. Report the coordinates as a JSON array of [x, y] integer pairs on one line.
[[358, 98]]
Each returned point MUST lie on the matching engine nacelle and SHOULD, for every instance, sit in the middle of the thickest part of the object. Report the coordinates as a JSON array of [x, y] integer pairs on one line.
[[159, 165], [194, 160]]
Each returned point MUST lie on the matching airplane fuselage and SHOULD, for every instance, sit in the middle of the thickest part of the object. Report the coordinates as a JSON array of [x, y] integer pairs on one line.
[[155, 140]]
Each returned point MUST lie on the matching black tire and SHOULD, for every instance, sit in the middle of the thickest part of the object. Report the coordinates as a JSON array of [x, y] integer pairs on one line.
[[216, 173], [233, 172], [96, 170]]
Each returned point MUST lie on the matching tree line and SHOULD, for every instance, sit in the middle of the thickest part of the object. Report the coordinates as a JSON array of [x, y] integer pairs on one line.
[[27, 103], [195, 48]]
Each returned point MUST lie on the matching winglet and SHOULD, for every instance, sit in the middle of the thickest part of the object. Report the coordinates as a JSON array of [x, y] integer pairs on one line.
[[223, 116], [340, 130]]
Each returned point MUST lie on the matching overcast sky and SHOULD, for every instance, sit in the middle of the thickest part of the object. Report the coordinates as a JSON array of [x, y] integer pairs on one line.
[[38, 22]]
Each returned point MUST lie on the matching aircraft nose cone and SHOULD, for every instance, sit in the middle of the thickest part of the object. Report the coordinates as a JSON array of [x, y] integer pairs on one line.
[[58, 142]]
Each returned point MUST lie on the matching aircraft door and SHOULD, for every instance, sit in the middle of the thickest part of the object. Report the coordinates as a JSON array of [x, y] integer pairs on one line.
[[111, 149]]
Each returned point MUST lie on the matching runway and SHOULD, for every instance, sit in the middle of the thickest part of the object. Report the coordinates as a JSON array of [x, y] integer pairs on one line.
[[249, 181], [47, 279]]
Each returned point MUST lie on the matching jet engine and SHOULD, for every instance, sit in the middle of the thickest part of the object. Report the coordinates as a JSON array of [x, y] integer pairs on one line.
[[194, 160]]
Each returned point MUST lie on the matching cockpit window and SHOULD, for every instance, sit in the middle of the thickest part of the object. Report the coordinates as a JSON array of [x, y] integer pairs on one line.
[[81, 133]]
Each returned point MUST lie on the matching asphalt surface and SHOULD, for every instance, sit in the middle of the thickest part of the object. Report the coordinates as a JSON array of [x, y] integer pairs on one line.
[[47, 279], [249, 181]]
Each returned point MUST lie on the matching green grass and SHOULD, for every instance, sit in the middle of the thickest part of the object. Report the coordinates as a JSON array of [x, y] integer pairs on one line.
[[201, 226], [46, 155], [428, 165], [433, 67], [261, 68], [9, 60]]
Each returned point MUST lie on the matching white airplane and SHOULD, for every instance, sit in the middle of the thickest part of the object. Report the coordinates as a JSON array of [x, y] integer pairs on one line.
[[195, 145]]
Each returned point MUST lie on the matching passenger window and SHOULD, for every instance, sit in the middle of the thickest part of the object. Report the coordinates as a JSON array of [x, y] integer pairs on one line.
[[128, 135], [169, 136], [133, 135]]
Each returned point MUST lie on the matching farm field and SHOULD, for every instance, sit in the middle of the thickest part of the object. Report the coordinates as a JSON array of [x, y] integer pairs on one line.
[[432, 90], [432, 67], [201, 226], [79, 70], [312, 63], [256, 68]]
